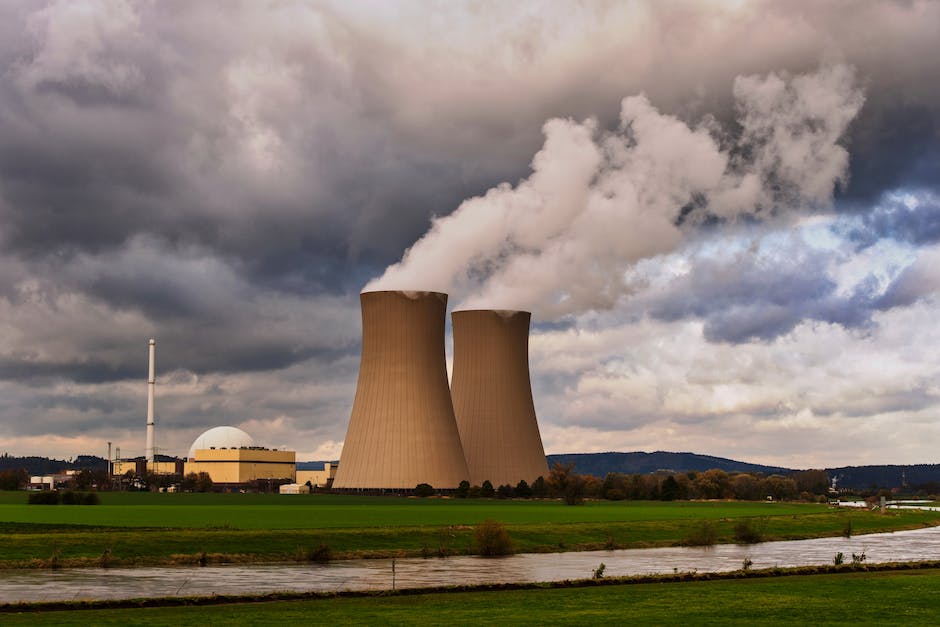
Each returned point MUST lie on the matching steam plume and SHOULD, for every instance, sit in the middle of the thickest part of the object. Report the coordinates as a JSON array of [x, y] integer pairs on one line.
[[559, 241]]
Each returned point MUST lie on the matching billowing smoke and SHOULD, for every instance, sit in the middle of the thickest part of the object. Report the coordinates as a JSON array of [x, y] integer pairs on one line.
[[559, 242]]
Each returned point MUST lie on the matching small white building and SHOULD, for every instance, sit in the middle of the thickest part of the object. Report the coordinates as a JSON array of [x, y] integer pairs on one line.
[[295, 488]]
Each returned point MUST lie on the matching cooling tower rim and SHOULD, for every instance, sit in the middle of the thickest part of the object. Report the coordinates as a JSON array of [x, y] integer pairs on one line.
[[505, 313], [412, 294]]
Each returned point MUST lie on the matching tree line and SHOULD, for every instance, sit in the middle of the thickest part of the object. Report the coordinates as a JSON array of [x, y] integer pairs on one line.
[[562, 482]]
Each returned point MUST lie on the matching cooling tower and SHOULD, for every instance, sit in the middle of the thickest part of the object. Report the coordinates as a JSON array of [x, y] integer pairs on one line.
[[493, 397], [402, 430]]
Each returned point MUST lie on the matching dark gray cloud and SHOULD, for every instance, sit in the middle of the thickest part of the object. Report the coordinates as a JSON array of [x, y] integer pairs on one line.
[[753, 295], [227, 176], [912, 217]]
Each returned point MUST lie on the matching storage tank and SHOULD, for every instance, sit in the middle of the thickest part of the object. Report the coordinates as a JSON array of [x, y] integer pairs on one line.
[[402, 430], [492, 397]]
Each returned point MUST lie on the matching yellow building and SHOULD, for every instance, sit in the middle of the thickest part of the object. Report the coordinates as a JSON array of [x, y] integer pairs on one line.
[[140, 466], [242, 465], [318, 478]]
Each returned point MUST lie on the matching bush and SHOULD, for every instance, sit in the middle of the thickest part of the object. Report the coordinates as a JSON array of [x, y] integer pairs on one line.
[[50, 497], [839, 559], [321, 554], [705, 534], [486, 490], [424, 490], [574, 491], [539, 488], [748, 532], [492, 539], [463, 490], [504, 492], [79, 498], [523, 491]]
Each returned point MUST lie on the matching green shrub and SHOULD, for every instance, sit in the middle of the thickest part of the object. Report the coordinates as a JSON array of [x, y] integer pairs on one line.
[[50, 497], [748, 531], [486, 490], [424, 490], [463, 490], [523, 491], [704, 534], [492, 539], [839, 559]]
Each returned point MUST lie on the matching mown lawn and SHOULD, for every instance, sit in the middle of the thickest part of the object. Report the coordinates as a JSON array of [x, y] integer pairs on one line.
[[884, 598], [273, 511]]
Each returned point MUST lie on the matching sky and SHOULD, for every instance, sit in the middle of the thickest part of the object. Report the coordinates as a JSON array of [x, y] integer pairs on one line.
[[724, 216]]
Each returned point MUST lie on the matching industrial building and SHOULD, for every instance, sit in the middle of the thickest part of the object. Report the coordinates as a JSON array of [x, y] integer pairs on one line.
[[232, 459], [492, 397], [140, 466], [318, 478], [402, 430]]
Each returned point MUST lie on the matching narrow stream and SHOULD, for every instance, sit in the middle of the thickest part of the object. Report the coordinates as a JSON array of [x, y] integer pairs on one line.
[[123, 583]]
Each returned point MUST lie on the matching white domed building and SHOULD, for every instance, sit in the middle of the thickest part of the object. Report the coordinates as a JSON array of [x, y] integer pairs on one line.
[[221, 437], [233, 459]]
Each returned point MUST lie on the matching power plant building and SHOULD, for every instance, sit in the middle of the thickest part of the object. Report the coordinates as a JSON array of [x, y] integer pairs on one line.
[[492, 397], [402, 429], [231, 458]]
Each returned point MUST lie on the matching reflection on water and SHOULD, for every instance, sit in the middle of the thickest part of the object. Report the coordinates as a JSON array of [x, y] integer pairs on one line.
[[120, 583]]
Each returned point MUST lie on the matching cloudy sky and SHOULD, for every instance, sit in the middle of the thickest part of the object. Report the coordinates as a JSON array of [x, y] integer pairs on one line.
[[724, 216]]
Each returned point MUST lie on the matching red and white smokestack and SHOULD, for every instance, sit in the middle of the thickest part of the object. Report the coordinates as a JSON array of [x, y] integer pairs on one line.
[[151, 381]]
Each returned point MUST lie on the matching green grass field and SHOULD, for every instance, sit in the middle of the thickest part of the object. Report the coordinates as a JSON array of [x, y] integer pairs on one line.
[[143, 528], [273, 511], [884, 598]]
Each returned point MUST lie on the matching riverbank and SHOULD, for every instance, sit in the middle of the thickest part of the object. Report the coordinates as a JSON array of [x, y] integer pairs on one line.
[[904, 592], [24, 545]]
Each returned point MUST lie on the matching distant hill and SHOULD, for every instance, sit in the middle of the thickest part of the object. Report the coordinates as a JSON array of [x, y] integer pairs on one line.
[[35, 465], [599, 464], [925, 476]]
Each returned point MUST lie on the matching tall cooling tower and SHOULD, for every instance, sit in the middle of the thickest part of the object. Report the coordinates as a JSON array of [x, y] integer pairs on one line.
[[402, 430], [493, 397]]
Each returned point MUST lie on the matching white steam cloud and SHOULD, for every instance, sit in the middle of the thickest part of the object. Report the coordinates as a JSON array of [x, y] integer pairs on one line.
[[560, 241]]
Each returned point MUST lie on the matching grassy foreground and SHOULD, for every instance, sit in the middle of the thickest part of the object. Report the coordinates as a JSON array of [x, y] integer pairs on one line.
[[184, 529], [898, 597]]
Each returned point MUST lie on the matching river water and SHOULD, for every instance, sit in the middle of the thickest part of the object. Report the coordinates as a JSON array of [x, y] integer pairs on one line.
[[123, 583]]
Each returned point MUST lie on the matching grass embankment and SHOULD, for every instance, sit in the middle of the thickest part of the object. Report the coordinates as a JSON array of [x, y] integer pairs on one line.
[[194, 528], [892, 597]]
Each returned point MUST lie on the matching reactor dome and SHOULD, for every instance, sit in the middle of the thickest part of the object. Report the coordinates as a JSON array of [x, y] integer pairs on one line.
[[221, 437]]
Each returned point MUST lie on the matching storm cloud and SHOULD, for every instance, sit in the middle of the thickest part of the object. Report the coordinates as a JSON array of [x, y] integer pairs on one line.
[[227, 176]]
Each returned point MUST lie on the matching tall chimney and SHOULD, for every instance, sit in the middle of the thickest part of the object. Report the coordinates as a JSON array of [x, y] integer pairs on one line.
[[493, 397], [151, 382], [402, 430]]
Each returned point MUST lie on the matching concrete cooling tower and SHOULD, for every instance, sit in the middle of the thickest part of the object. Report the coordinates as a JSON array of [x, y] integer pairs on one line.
[[492, 397], [402, 430]]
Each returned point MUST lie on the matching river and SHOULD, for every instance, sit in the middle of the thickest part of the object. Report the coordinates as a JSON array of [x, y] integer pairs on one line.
[[123, 583]]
